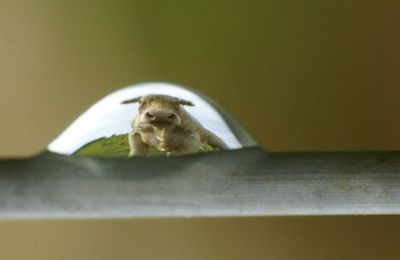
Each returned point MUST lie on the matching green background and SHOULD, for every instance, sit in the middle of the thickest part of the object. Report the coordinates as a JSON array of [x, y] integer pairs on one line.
[[298, 75]]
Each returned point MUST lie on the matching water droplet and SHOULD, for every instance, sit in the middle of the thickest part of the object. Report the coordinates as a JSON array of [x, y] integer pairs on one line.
[[104, 128]]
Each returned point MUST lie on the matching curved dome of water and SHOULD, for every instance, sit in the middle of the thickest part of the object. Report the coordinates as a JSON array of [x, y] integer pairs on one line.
[[103, 128]]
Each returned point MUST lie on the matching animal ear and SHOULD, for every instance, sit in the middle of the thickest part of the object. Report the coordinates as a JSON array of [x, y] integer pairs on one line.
[[183, 102], [133, 100]]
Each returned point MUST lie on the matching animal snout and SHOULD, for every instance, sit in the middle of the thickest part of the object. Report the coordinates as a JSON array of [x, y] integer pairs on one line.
[[160, 116]]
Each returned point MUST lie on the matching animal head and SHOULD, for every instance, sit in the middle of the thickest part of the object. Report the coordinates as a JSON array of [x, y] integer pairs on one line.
[[159, 110]]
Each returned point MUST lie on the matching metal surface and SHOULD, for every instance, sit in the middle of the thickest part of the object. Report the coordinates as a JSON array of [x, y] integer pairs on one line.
[[247, 182]]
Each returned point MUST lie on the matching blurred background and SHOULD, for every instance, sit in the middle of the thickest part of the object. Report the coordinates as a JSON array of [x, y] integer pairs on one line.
[[298, 75]]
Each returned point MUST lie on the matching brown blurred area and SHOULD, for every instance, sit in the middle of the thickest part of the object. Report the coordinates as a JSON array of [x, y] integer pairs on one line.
[[298, 75], [295, 238]]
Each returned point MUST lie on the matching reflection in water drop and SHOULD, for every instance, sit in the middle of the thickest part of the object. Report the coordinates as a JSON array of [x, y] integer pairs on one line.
[[103, 129]]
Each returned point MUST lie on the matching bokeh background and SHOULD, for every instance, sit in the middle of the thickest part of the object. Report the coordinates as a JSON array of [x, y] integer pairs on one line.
[[298, 75]]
